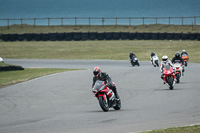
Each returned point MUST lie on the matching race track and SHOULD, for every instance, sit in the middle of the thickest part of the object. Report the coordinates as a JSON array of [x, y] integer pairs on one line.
[[64, 102]]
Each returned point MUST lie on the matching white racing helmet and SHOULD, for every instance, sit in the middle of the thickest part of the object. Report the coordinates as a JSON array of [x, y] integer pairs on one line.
[[165, 58]]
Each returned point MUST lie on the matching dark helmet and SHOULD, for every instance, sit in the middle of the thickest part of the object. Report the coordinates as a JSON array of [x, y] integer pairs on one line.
[[152, 53], [177, 54]]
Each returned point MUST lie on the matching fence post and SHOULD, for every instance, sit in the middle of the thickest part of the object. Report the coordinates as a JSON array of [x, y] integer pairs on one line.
[[21, 22], [156, 20], [75, 21], [169, 20], [8, 23], [102, 21], [34, 22], [129, 21], [182, 21], [143, 20], [194, 20], [89, 21], [62, 21], [48, 21]]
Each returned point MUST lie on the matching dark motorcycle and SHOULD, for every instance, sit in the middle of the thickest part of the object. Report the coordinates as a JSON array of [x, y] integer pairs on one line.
[[134, 61], [106, 96]]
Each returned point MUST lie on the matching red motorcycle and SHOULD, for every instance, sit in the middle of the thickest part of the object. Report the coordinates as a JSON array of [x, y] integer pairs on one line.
[[185, 59], [169, 76], [105, 96]]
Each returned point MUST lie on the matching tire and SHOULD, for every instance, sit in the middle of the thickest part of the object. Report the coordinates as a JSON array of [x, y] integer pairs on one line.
[[138, 64], [185, 63], [118, 105], [170, 82], [177, 78], [104, 105]]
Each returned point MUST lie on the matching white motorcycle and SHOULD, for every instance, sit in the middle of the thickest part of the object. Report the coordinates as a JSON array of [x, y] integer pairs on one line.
[[179, 73], [154, 61]]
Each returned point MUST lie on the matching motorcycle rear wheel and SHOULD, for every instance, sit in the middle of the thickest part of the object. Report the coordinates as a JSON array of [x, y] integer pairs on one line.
[[103, 104], [118, 105]]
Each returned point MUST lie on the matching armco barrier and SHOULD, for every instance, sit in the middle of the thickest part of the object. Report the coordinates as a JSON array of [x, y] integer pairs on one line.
[[0, 36], [77, 36], [108, 35]]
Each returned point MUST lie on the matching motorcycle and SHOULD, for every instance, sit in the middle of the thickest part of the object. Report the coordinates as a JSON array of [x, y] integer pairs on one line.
[[134, 61], [106, 96], [169, 76], [179, 73], [154, 61], [185, 59]]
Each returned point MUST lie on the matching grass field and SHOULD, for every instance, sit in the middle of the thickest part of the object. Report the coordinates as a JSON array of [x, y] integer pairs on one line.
[[13, 77], [93, 28], [111, 50]]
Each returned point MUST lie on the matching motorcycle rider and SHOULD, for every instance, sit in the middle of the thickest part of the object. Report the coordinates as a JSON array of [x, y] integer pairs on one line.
[[184, 52], [178, 59], [131, 55], [98, 75], [151, 57], [163, 63]]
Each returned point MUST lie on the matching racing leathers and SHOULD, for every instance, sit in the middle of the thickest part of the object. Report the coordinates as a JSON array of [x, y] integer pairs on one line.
[[105, 77], [179, 60]]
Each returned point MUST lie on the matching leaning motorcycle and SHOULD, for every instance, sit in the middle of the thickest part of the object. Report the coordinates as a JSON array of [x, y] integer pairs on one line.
[[169, 76], [185, 59], [179, 73], [154, 61], [106, 96], [134, 61]]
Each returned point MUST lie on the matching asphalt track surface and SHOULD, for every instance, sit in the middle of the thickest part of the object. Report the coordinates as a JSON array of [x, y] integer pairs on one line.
[[64, 102]]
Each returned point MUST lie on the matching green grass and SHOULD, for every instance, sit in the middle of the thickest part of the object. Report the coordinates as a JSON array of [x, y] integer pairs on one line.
[[13, 77], [111, 50], [94, 28], [187, 129]]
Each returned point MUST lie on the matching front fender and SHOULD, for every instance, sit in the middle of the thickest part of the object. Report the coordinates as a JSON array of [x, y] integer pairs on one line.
[[104, 96]]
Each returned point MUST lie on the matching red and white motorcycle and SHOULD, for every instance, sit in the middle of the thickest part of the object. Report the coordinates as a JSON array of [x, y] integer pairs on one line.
[[169, 76], [179, 71], [106, 96]]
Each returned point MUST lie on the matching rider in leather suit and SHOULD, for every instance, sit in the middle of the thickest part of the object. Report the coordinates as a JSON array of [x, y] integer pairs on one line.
[[98, 75]]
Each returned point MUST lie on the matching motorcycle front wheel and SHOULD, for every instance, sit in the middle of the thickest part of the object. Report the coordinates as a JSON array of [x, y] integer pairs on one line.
[[170, 82], [104, 104]]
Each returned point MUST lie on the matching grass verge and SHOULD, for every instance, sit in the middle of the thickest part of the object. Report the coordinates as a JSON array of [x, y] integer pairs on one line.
[[111, 50], [187, 129], [13, 77]]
